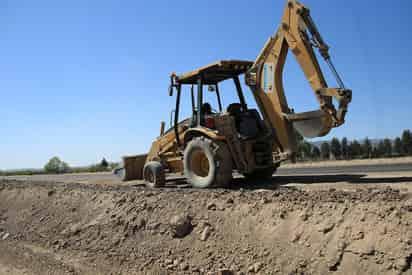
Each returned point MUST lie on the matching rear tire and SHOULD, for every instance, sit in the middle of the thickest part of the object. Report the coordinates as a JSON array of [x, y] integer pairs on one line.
[[207, 163], [154, 175], [261, 174]]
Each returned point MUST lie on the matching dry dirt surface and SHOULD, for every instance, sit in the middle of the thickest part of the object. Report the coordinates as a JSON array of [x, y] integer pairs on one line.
[[326, 224]]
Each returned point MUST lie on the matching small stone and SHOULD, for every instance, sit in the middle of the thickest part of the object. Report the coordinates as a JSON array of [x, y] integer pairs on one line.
[[380, 260], [401, 264], [5, 236], [141, 224], [363, 217], [369, 250], [50, 193], [181, 225], [303, 264], [304, 216], [168, 261], [283, 214], [327, 227], [334, 258], [397, 213], [184, 266], [264, 200], [358, 236], [205, 234], [296, 236], [211, 206], [255, 267], [153, 226]]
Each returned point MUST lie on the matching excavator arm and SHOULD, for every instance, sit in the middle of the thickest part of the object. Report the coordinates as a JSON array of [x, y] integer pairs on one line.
[[298, 33]]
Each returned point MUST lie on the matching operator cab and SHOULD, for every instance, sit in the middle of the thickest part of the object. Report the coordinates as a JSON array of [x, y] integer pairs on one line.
[[247, 121]]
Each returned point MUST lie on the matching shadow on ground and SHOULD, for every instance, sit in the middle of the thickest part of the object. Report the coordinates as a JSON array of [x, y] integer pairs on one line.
[[280, 180], [277, 181]]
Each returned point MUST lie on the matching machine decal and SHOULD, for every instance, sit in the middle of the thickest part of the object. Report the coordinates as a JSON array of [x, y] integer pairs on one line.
[[268, 77]]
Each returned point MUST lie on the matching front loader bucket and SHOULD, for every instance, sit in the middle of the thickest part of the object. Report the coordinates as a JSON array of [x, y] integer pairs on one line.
[[132, 167], [311, 124]]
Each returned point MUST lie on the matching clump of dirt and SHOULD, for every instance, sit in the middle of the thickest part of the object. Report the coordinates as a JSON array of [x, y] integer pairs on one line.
[[89, 229]]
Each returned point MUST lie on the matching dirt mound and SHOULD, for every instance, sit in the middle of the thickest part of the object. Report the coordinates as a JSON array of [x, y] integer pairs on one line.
[[89, 229]]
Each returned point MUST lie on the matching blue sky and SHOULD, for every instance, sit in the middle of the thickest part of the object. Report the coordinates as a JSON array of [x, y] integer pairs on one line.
[[88, 79]]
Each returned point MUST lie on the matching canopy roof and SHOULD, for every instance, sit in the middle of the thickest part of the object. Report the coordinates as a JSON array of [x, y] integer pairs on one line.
[[216, 72]]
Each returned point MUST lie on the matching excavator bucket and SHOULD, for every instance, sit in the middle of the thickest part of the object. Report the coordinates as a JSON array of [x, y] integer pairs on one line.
[[298, 35], [311, 124]]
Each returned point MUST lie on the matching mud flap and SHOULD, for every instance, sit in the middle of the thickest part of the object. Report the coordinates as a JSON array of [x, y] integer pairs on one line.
[[311, 124]]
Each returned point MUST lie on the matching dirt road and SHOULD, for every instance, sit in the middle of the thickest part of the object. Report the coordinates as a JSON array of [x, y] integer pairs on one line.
[[303, 224]]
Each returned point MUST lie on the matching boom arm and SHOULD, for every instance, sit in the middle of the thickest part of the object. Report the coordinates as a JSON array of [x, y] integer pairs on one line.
[[297, 32]]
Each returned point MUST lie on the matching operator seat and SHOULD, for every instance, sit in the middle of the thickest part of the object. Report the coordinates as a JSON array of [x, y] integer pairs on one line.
[[247, 122], [206, 109], [235, 110]]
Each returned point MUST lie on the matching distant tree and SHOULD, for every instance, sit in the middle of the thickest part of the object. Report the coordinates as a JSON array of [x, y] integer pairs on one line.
[[305, 150], [325, 150], [375, 152], [345, 148], [113, 165], [355, 150], [379, 150], [104, 164], [397, 146], [406, 142], [315, 153], [336, 148], [366, 148], [56, 166], [387, 147]]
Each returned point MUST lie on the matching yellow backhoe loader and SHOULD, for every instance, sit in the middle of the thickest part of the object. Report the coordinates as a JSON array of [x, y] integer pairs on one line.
[[211, 144]]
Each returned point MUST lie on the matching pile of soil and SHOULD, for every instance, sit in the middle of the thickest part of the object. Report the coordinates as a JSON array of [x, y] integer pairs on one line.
[[73, 228]]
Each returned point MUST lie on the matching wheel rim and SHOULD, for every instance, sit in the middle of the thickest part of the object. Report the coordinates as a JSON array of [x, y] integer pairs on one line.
[[200, 164]]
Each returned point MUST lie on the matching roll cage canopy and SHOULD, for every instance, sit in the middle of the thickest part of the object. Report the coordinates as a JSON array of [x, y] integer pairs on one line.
[[216, 72], [208, 75]]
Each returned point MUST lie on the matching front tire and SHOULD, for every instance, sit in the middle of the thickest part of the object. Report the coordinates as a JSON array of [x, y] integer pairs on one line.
[[207, 163], [154, 175]]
